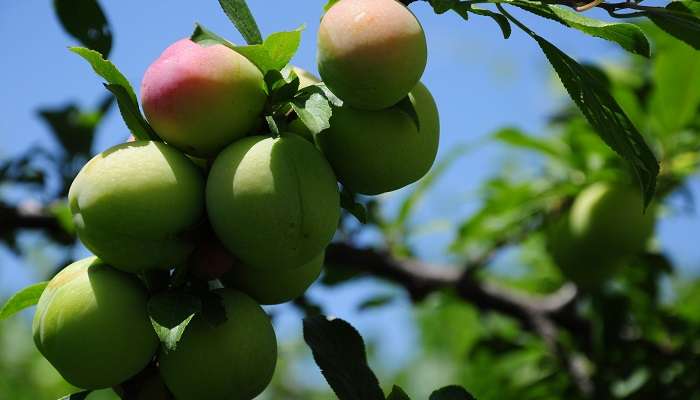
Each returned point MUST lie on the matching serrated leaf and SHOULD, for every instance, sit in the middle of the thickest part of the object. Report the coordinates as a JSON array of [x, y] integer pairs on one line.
[[239, 13], [500, 20], [85, 21], [313, 109], [339, 351], [27, 297], [452, 392], [679, 19], [397, 394], [605, 116], [170, 313], [77, 396], [629, 36], [122, 90], [134, 120], [273, 54]]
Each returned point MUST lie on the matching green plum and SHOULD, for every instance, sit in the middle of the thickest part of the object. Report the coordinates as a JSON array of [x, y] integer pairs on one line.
[[234, 360], [273, 202], [274, 287], [91, 324], [134, 203], [201, 98], [605, 226], [371, 53], [374, 152]]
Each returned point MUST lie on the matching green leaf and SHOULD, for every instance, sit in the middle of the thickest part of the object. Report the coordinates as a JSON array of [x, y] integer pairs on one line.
[[170, 313], [77, 396], [605, 116], [73, 127], [26, 297], [679, 19], [397, 394], [629, 36], [313, 108], [85, 21], [329, 4], [675, 99], [61, 211], [134, 120], [339, 351], [407, 106], [273, 54], [376, 301], [349, 204], [451, 393], [122, 90], [239, 13], [500, 20], [516, 138]]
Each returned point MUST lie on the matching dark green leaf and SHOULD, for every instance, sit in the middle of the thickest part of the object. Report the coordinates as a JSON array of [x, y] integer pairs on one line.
[[406, 105], [213, 309], [77, 396], [349, 204], [280, 90], [377, 301], [451, 393], [239, 13], [397, 394], [75, 128], [26, 297], [500, 19], [170, 314], [134, 120], [85, 21], [122, 90], [679, 19], [605, 115], [629, 36], [339, 351]]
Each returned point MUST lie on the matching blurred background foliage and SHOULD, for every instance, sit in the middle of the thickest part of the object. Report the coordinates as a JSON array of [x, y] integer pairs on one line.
[[645, 338]]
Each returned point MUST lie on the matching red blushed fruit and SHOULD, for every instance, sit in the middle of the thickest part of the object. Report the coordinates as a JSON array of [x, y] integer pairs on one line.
[[201, 98]]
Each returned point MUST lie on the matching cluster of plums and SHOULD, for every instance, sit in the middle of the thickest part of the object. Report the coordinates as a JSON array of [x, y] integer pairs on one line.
[[604, 228], [249, 210]]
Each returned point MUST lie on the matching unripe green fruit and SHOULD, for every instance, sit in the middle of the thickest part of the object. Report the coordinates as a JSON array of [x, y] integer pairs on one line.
[[274, 203], [374, 152], [605, 226], [132, 204], [274, 288], [201, 98], [371, 53], [91, 324], [234, 360]]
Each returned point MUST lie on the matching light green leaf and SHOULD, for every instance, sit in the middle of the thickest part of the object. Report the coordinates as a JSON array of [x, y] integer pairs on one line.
[[517, 138], [629, 36], [122, 90], [170, 314], [314, 111], [26, 297], [239, 13]]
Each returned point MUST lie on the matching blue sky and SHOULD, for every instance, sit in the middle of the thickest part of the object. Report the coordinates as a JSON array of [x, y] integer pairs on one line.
[[480, 81]]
